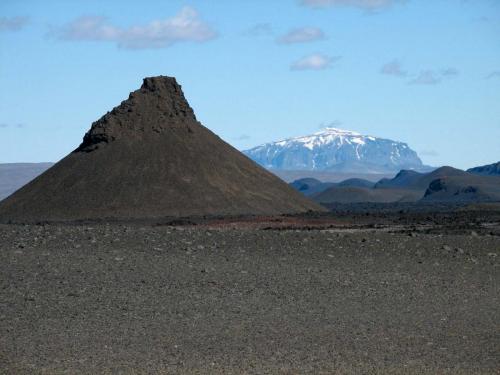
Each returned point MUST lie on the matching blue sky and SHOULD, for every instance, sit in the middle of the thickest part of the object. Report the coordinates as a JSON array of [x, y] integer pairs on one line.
[[423, 72]]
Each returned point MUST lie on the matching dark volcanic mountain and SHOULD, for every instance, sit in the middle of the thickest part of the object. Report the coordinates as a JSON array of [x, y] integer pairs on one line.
[[412, 180], [148, 158], [486, 170], [445, 184], [465, 188]]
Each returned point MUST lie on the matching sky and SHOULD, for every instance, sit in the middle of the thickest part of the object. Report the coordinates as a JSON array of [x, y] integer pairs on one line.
[[419, 71]]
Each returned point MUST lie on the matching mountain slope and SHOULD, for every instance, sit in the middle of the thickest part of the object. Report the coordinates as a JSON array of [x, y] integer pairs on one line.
[[353, 194], [417, 181], [445, 184], [336, 150], [486, 170], [311, 186], [149, 157], [15, 175], [356, 182], [465, 188]]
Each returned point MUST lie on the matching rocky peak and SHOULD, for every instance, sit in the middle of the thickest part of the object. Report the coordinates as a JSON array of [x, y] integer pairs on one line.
[[161, 84], [157, 107]]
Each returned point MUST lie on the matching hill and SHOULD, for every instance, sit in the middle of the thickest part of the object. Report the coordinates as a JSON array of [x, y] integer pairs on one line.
[[312, 186], [486, 170], [147, 158], [411, 180], [466, 188], [445, 184]]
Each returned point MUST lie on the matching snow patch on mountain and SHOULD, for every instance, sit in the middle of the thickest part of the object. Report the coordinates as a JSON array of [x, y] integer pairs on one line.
[[336, 149]]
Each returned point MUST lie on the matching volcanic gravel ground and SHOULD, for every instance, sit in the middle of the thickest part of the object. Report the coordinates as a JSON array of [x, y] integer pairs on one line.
[[142, 299]]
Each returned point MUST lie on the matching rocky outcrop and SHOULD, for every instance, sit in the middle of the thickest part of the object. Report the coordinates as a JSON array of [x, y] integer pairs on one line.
[[157, 106]]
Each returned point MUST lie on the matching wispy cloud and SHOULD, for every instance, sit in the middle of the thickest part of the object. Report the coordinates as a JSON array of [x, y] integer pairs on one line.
[[243, 137], [393, 68], [5, 125], [316, 61], [331, 124], [449, 72], [432, 77], [482, 19], [13, 23], [428, 153], [260, 29], [370, 5], [186, 26], [494, 74], [302, 35], [426, 77]]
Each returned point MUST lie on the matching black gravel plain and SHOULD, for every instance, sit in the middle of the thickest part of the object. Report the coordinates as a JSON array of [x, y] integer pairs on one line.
[[145, 299]]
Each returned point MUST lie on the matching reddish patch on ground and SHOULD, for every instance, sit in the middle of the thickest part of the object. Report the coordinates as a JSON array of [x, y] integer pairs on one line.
[[276, 222]]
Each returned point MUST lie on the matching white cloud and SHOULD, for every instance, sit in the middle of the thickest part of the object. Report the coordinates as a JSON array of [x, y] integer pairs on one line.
[[13, 23], [186, 26], [363, 4], [393, 68], [426, 77], [315, 61], [302, 35]]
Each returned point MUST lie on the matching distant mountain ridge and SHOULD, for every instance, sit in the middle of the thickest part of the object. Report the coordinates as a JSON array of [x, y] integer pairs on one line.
[[15, 175], [486, 170], [418, 181], [311, 186], [337, 150]]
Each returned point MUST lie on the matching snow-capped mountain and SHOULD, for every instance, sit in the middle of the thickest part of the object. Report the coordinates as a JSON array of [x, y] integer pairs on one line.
[[336, 150]]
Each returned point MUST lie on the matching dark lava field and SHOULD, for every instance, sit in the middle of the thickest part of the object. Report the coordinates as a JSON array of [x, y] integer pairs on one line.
[[262, 297]]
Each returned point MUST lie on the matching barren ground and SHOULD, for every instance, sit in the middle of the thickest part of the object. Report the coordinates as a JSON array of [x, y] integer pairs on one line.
[[262, 296]]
